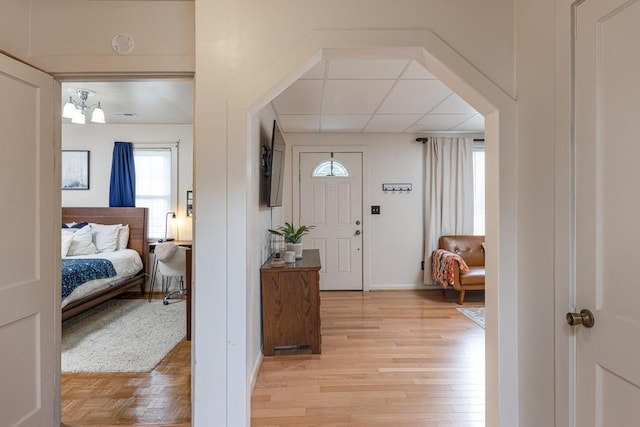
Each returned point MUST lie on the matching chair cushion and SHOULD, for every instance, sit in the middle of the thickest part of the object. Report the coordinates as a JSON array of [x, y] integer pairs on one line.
[[475, 276]]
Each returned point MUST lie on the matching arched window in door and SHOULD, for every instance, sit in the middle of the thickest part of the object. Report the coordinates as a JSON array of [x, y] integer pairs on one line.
[[330, 167]]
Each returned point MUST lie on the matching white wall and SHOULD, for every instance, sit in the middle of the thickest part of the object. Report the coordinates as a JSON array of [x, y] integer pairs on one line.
[[99, 139], [396, 236]]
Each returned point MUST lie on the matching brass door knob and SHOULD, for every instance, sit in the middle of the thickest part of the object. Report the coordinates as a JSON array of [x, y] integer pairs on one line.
[[584, 318]]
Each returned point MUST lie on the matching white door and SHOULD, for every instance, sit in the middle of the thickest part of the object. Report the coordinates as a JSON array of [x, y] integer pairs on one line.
[[607, 224], [30, 259], [331, 199]]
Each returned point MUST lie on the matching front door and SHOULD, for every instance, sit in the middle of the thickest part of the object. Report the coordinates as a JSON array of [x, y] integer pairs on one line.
[[607, 222], [331, 200], [30, 261]]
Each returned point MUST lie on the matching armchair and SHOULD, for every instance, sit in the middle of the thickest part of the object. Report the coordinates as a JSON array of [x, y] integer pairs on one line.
[[471, 250]]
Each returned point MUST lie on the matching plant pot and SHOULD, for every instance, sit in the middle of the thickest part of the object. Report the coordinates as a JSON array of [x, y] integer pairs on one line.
[[297, 248]]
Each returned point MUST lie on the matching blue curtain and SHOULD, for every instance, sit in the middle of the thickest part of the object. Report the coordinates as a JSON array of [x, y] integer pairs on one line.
[[122, 191]]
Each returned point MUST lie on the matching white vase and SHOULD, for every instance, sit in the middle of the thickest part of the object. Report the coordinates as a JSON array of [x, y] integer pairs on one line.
[[297, 248]]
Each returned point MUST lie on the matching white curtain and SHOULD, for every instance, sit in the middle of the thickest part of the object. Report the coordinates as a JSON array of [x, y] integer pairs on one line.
[[448, 192]]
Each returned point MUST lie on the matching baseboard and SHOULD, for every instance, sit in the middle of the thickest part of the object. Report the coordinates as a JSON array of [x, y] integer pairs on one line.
[[401, 286], [256, 370]]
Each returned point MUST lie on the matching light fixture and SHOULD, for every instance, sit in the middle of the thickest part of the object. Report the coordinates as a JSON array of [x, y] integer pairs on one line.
[[76, 110], [166, 226]]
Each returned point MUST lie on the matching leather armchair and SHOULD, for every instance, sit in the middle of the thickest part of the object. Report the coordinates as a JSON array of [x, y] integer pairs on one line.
[[471, 249]]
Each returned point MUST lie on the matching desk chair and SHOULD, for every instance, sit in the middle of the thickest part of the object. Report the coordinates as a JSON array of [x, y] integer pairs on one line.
[[172, 270]]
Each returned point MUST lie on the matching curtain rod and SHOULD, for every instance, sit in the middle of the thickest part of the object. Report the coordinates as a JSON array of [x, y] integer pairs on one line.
[[426, 139]]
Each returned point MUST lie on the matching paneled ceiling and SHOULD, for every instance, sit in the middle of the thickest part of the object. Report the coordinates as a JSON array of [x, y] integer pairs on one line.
[[371, 96], [337, 95]]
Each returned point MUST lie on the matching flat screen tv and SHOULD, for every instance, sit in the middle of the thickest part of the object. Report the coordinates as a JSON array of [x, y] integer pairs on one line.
[[275, 167]]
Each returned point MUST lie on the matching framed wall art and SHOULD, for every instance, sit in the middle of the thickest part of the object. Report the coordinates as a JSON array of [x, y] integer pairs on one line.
[[75, 169]]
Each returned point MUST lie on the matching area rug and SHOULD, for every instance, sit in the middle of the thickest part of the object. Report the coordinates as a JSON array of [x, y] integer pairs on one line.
[[474, 313], [122, 335]]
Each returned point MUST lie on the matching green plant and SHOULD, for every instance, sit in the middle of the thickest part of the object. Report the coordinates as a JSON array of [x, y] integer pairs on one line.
[[290, 233]]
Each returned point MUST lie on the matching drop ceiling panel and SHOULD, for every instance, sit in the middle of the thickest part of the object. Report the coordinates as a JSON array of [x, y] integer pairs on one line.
[[453, 105], [302, 97], [396, 123], [439, 122], [354, 96], [414, 97], [365, 69], [299, 123], [474, 124], [343, 123], [416, 71]]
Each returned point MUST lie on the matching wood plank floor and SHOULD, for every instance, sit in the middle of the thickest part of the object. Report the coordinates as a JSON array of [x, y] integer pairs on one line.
[[160, 397], [389, 358]]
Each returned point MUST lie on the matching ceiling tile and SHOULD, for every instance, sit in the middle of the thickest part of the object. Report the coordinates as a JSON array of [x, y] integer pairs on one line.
[[416, 71], [391, 122], [365, 69], [414, 97], [343, 123], [302, 97], [453, 105], [474, 124], [354, 96], [299, 123], [439, 122], [317, 72]]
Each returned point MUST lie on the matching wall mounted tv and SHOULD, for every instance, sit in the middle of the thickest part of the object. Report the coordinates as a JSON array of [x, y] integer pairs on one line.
[[275, 167]]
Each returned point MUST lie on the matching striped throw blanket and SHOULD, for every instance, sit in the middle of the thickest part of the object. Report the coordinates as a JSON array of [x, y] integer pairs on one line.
[[443, 265]]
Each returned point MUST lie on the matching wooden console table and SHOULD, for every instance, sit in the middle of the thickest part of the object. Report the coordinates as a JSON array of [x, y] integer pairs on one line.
[[291, 303]]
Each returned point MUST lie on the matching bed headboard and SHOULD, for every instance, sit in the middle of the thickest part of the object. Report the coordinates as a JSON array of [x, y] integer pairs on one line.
[[137, 219]]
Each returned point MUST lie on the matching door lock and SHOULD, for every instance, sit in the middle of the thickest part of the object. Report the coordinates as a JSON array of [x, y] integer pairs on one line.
[[584, 318], [358, 222]]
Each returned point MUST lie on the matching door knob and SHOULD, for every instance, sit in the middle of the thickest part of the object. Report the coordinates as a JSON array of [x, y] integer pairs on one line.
[[357, 232], [584, 318]]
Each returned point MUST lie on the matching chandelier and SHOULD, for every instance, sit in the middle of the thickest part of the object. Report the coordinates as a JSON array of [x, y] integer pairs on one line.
[[76, 110]]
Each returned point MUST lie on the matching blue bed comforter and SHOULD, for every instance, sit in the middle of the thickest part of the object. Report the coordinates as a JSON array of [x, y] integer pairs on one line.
[[75, 272]]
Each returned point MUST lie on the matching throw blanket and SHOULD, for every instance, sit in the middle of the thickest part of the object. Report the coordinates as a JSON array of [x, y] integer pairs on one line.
[[443, 265], [75, 272]]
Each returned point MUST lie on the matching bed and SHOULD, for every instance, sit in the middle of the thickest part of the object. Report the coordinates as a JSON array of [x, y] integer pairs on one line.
[[82, 299]]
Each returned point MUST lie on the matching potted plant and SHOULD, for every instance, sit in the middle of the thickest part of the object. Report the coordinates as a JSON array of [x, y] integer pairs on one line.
[[293, 236]]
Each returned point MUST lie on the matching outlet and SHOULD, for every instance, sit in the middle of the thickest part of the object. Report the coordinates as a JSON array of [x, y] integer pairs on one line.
[[375, 210], [422, 265]]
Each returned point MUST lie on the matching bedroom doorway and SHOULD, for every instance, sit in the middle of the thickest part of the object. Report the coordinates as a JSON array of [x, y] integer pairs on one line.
[[152, 113]]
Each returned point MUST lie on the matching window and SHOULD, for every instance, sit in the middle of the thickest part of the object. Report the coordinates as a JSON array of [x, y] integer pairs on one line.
[[330, 168], [155, 183], [478, 189]]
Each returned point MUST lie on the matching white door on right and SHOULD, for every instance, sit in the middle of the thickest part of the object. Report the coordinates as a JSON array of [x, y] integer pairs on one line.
[[330, 199], [607, 218]]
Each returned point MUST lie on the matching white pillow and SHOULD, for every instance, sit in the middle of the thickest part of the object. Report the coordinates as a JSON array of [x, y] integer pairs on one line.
[[82, 243], [123, 237], [105, 237], [66, 238]]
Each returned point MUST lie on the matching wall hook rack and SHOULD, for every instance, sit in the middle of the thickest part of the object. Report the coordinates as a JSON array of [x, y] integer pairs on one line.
[[396, 187]]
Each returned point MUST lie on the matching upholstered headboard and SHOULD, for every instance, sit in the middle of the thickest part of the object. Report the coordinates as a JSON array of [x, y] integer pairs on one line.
[[137, 219]]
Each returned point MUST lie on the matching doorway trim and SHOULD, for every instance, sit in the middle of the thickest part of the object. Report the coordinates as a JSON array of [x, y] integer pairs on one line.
[[244, 103], [295, 198]]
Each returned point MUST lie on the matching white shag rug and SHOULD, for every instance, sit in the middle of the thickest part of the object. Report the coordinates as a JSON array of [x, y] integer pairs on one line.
[[474, 313], [122, 335]]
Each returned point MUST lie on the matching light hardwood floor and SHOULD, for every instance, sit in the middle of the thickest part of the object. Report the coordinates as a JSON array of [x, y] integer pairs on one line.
[[389, 358]]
